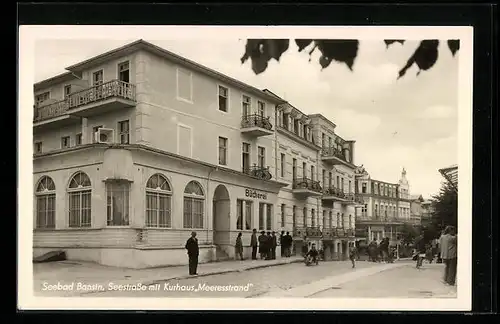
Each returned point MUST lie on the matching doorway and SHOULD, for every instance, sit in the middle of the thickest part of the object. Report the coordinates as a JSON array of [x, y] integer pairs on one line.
[[221, 216]]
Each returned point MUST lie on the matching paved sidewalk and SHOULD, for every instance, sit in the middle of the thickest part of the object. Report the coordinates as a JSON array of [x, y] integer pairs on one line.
[[93, 275]]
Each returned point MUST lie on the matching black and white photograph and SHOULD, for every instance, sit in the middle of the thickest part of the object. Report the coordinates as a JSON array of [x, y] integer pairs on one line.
[[224, 167]]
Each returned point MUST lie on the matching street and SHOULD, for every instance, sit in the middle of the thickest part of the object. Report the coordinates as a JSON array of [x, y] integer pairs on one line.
[[327, 280]]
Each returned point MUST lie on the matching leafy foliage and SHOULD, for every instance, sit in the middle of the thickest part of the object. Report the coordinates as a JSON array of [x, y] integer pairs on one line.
[[408, 234], [445, 207], [261, 51]]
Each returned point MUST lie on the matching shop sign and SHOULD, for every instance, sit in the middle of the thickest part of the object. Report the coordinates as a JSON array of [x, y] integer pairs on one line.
[[254, 194]]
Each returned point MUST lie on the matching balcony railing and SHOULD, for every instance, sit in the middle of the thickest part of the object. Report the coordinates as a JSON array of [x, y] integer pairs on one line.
[[380, 219], [313, 231], [256, 120], [332, 191], [258, 172], [304, 183], [115, 88], [333, 151]]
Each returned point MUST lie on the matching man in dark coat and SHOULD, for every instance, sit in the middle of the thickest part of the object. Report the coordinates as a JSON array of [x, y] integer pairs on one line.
[[287, 244], [253, 244], [262, 244], [268, 245], [274, 244], [282, 243], [193, 251]]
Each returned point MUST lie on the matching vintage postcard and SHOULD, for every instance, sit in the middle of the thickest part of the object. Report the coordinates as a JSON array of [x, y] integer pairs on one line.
[[182, 167]]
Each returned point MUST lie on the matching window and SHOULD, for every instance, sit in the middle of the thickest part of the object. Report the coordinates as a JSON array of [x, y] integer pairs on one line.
[[283, 215], [304, 170], [65, 142], [262, 156], [194, 200], [245, 157], [80, 200], [363, 187], [269, 217], [313, 218], [97, 78], [261, 108], [244, 210], [329, 179], [294, 217], [94, 130], [280, 118], [117, 193], [261, 216], [323, 140], [38, 147], [349, 186], [286, 121], [45, 203], [78, 139], [184, 85], [342, 184], [294, 169], [123, 72], [312, 173], [342, 221], [39, 99], [124, 131], [350, 222], [222, 151], [364, 209], [67, 91], [223, 98], [324, 219], [304, 215], [338, 220], [338, 182], [324, 178], [246, 105], [376, 210], [158, 202], [330, 220], [282, 169]]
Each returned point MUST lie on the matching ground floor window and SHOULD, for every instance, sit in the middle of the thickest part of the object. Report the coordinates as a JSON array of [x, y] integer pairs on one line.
[[158, 209], [269, 217], [46, 211], [244, 210], [80, 208], [117, 194], [193, 212]]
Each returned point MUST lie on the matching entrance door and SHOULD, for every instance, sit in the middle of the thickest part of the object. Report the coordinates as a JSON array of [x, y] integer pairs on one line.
[[221, 216]]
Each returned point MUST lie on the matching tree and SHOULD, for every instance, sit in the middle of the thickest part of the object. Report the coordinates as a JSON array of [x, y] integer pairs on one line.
[[407, 234], [261, 51], [445, 205]]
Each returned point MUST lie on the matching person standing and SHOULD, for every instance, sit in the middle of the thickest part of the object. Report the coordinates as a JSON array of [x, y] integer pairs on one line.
[[288, 242], [253, 244], [448, 243], [420, 250], [274, 244], [384, 249], [262, 245], [238, 247], [193, 251], [353, 253], [268, 245], [282, 245]]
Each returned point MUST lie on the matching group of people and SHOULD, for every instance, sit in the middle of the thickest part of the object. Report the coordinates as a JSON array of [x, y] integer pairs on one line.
[[378, 252]]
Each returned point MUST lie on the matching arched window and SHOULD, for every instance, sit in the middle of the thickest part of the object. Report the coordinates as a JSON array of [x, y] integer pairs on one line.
[[158, 202], [45, 203], [80, 198], [194, 200]]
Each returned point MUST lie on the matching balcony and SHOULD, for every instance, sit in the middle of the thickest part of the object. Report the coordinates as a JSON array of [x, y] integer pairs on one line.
[[256, 125], [334, 194], [334, 156], [95, 100], [389, 220], [313, 232], [299, 232], [306, 187], [258, 172]]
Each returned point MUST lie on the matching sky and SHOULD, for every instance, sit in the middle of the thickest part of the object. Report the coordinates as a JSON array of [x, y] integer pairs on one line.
[[411, 122]]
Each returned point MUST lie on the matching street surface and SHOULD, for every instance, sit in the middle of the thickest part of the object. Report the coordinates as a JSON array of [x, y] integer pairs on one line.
[[260, 281]]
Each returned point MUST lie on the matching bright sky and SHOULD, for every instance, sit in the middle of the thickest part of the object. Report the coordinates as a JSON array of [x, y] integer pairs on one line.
[[411, 122]]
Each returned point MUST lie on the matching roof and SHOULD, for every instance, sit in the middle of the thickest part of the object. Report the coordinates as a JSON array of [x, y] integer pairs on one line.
[[151, 48], [324, 118], [451, 175]]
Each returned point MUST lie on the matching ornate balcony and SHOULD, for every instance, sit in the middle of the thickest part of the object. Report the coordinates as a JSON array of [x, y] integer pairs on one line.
[[306, 187], [95, 100], [313, 231], [350, 232], [258, 172], [256, 125], [334, 156], [377, 219], [299, 232], [334, 194]]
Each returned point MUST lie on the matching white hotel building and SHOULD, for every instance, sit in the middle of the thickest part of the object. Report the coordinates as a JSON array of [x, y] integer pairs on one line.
[[137, 147]]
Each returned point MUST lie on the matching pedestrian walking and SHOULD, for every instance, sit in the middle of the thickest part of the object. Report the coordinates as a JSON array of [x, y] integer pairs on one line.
[[253, 244], [420, 250], [193, 251], [274, 244], [268, 246], [282, 243], [384, 249], [353, 254], [448, 243], [238, 247], [262, 245]]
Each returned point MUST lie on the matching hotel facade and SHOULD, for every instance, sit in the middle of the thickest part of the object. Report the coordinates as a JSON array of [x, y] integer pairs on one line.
[[136, 148], [386, 207]]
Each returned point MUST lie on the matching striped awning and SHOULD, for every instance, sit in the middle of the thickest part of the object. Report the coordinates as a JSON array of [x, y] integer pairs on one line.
[[451, 175]]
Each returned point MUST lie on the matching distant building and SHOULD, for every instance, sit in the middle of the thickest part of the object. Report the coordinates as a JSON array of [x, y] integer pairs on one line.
[[386, 207], [416, 209], [427, 211]]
